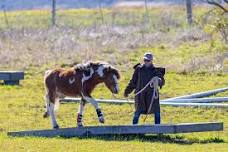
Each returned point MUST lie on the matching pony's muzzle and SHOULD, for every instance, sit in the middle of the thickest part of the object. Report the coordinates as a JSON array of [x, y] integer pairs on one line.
[[116, 90]]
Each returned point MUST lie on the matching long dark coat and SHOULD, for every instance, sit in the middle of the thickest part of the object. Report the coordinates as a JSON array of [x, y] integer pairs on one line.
[[142, 75]]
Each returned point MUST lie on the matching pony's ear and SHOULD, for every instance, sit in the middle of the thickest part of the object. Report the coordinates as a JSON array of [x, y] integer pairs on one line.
[[108, 69], [113, 70]]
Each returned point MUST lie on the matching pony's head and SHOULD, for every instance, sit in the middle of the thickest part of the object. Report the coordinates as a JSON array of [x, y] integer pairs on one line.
[[111, 77], [101, 72]]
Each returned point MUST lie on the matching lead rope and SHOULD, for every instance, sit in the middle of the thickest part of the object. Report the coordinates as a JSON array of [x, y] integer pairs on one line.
[[153, 83]]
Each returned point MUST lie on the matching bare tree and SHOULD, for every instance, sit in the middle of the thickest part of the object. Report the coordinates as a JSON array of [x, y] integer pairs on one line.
[[217, 4], [216, 18]]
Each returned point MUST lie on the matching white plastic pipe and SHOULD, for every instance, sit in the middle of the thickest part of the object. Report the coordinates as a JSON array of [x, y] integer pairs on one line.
[[173, 103], [200, 95], [199, 100]]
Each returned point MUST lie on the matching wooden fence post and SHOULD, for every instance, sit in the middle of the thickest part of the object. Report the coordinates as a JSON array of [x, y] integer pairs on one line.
[[146, 12], [101, 11], [5, 16], [53, 12], [189, 11]]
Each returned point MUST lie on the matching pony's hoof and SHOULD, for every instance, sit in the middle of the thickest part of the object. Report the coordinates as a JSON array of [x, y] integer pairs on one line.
[[80, 125], [101, 119], [46, 115], [56, 127]]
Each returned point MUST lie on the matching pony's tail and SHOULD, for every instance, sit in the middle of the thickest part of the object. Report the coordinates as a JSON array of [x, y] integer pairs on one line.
[[56, 102]]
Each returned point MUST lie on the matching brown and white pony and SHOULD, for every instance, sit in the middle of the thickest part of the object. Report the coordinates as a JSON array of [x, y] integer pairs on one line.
[[78, 81]]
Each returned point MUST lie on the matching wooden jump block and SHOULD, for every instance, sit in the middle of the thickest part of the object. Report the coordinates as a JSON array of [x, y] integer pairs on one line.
[[123, 130], [11, 77]]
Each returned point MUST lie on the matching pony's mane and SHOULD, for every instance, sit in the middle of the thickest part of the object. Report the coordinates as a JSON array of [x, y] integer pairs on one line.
[[110, 68], [95, 65], [86, 66]]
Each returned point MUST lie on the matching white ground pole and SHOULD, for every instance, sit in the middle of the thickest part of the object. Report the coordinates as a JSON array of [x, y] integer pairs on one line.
[[200, 94], [199, 100], [162, 102], [195, 100]]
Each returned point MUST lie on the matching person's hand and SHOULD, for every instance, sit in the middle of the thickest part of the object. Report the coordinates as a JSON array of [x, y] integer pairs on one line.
[[160, 83], [125, 95]]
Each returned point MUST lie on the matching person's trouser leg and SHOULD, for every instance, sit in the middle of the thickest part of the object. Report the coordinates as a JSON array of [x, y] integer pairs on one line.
[[136, 117], [157, 118]]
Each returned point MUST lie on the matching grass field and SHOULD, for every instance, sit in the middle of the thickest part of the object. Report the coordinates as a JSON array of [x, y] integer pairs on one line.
[[194, 60], [22, 109]]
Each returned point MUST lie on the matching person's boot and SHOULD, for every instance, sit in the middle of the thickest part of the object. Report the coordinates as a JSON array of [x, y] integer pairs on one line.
[[135, 120]]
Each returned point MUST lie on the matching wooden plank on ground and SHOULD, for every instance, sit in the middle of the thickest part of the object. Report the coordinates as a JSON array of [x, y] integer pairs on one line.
[[123, 130]]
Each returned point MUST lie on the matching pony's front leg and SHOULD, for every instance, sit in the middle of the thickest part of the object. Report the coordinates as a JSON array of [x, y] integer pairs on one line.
[[98, 110], [80, 113]]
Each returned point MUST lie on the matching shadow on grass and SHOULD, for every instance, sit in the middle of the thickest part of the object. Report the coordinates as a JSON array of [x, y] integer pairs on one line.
[[176, 139]]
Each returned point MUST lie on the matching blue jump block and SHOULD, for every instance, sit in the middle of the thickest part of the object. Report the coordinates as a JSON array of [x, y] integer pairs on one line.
[[11, 77]]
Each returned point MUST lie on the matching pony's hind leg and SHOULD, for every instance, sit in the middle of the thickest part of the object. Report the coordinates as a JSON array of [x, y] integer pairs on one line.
[[80, 113], [98, 110], [50, 98], [52, 113]]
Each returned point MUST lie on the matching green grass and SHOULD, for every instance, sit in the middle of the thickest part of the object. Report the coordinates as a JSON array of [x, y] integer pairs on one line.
[[171, 17], [22, 107]]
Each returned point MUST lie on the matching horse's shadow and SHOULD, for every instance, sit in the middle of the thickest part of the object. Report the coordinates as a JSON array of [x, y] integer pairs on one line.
[[176, 139]]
